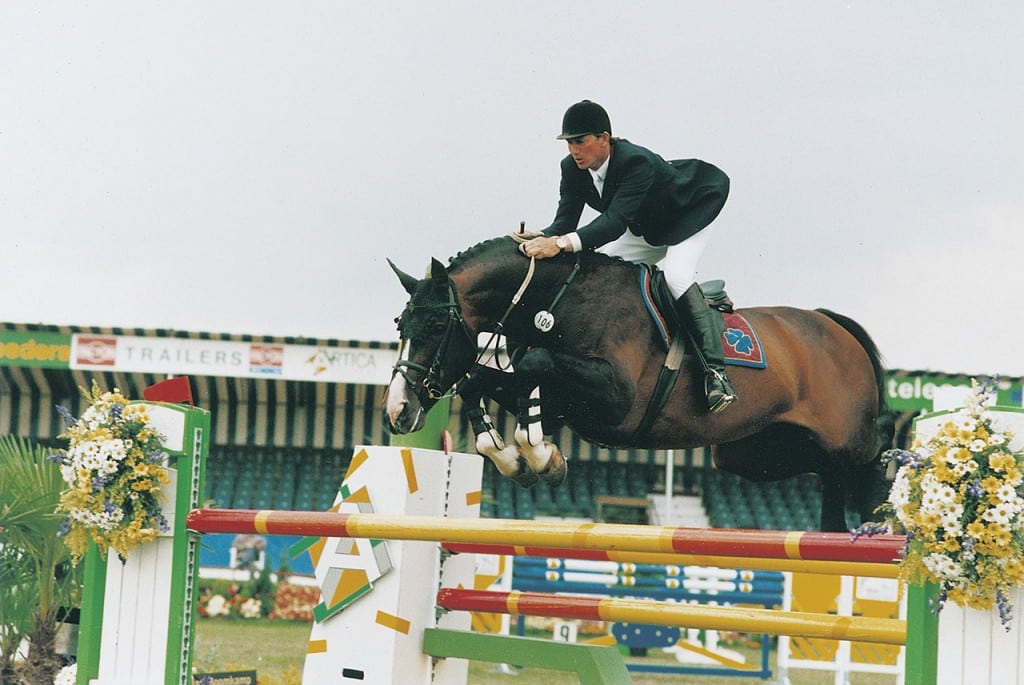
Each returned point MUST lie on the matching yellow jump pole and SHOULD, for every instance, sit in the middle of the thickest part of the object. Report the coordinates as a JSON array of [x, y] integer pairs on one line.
[[798, 624]]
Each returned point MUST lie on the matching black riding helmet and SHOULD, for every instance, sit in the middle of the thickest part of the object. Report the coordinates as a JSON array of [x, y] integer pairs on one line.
[[585, 117]]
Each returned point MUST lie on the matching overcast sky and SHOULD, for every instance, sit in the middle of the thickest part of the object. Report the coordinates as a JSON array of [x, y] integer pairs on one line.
[[247, 167]]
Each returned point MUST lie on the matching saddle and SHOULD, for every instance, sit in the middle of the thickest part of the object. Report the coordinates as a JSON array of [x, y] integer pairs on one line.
[[741, 345], [661, 304]]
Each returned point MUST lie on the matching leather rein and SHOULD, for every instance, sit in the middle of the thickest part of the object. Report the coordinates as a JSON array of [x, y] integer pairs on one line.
[[432, 375]]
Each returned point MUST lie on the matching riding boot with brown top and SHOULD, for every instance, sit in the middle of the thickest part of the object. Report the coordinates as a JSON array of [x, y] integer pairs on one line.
[[705, 329]]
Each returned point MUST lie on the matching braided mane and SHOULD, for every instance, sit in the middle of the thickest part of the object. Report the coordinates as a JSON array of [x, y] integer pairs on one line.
[[505, 244], [500, 243]]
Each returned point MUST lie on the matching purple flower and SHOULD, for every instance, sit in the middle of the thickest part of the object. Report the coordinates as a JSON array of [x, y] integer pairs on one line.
[[902, 457], [155, 456], [59, 458], [906, 545], [870, 528], [109, 507], [64, 528], [974, 489], [1005, 609], [989, 386], [98, 483], [66, 415], [115, 411]]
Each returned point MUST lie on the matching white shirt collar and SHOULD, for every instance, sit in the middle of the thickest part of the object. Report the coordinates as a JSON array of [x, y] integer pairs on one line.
[[599, 176]]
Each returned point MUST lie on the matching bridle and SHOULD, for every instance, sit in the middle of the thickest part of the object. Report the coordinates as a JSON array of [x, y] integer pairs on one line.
[[432, 375]]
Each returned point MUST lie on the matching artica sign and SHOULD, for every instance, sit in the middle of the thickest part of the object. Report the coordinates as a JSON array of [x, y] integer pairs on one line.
[[185, 356]]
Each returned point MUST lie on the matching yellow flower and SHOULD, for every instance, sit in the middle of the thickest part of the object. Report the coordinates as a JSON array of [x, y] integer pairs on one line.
[[1001, 461], [928, 523], [976, 530], [1000, 535], [1013, 573], [944, 473], [981, 602], [957, 596], [960, 454], [947, 544], [991, 484]]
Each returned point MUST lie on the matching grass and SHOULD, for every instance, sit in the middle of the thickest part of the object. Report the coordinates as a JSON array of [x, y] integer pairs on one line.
[[238, 644]]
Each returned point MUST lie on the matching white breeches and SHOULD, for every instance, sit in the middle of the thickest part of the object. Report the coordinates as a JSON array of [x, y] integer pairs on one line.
[[678, 262]]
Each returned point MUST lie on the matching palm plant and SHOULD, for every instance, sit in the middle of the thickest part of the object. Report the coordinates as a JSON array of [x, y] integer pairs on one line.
[[35, 559], [17, 600]]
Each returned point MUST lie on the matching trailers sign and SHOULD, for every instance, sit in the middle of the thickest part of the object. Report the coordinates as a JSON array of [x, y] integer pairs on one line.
[[187, 356]]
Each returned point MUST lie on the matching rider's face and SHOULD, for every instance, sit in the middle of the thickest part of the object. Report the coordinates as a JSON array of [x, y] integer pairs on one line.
[[590, 151]]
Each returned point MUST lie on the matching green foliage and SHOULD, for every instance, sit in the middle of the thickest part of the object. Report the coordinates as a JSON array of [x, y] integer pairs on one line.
[[17, 601], [36, 574]]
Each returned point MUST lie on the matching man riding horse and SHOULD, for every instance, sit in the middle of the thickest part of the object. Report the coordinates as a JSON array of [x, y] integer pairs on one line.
[[486, 325], [652, 211]]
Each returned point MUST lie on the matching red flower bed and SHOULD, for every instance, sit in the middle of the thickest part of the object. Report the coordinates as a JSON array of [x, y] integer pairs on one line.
[[295, 602]]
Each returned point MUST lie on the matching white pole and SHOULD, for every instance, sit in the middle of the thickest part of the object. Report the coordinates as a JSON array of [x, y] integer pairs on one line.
[[670, 462]]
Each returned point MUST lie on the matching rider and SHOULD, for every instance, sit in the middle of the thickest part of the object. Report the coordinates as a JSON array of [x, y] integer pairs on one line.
[[652, 211]]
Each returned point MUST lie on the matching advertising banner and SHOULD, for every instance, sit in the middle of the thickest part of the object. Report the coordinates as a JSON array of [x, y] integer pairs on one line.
[[35, 348], [187, 356]]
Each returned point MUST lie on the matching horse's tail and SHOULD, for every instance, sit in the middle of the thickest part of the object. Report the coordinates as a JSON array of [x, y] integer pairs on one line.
[[861, 335]]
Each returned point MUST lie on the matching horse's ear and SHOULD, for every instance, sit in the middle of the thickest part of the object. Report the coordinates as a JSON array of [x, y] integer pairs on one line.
[[408, 282], [437, 269]]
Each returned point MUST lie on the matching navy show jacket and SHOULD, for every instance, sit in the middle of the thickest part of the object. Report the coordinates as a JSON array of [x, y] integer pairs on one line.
[[665, 202]]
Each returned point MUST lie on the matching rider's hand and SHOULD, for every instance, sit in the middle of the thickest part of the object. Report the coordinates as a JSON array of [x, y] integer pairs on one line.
[[541, 248]]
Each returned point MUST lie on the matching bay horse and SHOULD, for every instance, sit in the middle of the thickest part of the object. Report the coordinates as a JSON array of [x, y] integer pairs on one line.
[[569, 340]]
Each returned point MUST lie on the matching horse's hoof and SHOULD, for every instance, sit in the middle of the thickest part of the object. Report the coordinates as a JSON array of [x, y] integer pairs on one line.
[[524, 477], [554, 473]]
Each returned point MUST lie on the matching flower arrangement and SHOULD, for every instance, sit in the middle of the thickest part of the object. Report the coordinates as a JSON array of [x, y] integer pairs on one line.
[[959, 497], [114, 471]]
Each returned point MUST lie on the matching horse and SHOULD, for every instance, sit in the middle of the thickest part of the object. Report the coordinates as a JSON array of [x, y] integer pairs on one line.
[[570, 341]]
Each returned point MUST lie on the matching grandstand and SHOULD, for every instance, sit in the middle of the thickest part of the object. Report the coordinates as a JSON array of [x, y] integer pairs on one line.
[[307, 480]]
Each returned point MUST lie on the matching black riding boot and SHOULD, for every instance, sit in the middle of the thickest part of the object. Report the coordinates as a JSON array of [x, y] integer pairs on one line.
[[705, 329]]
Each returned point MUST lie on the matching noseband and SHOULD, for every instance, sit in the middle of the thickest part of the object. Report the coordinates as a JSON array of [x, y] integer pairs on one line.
[[432, 375]]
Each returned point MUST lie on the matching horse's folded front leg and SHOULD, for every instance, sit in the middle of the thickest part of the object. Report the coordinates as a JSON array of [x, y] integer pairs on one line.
[[544, 457], [509, 462]]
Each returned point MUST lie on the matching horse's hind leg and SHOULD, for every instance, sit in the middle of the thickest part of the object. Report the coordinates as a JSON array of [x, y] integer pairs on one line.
[[785, 450], [869, 488], [869, 485], [833, 501]]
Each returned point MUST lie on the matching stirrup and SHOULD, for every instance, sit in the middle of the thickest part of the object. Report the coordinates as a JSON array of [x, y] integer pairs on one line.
[[720, 396]]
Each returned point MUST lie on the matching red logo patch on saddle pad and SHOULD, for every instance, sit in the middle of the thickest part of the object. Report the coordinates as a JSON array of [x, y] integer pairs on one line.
[[740, 343]]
